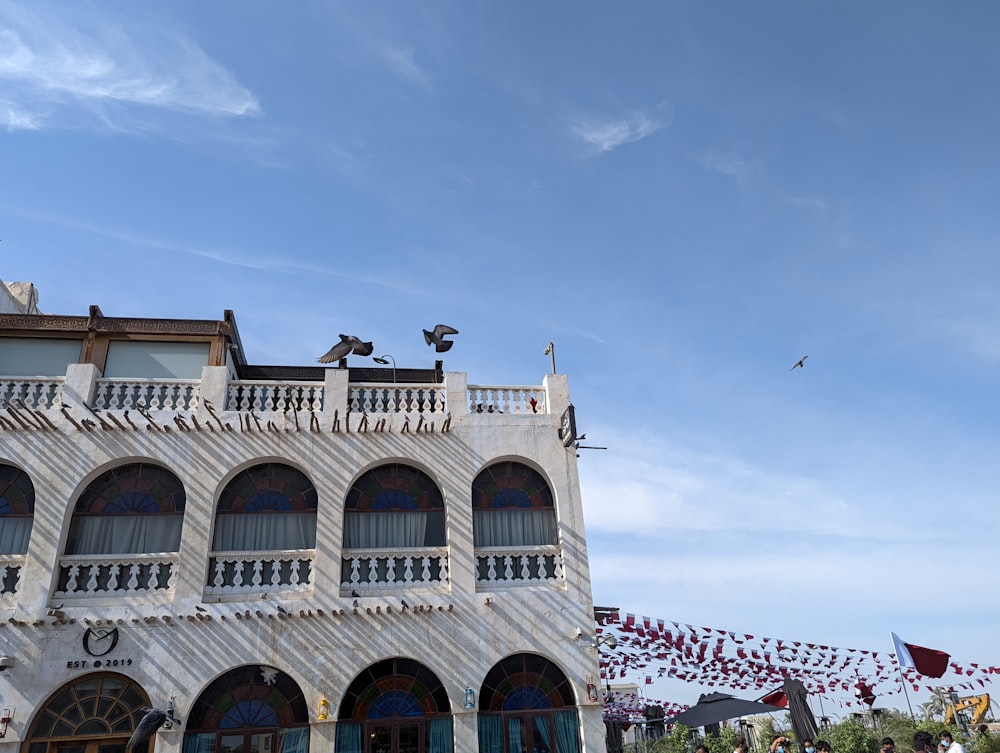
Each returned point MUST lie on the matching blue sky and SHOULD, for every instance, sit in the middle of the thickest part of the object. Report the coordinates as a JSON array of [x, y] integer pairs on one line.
[[686, 197]]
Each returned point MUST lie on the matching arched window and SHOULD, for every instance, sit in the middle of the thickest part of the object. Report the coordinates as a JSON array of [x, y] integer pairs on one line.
[[527, 703], [132, 509], [395, 706], [394, 506], [98, 713], [250, 709], [267, 507], [17, 510], [512, 506]]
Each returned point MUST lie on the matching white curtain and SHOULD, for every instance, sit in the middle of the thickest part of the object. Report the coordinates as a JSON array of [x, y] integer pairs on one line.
[[14, 534], [266, 531], [514, 527], [124, 534], [385, 529], [294, 740]]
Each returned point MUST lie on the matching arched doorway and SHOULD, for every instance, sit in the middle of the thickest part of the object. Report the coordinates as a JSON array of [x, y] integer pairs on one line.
[[395, 706], [250, 709], [93, 714], [527, 703]]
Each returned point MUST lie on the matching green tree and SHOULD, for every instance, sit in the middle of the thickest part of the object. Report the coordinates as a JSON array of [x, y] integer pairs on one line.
[[851, 736], [677, 740]]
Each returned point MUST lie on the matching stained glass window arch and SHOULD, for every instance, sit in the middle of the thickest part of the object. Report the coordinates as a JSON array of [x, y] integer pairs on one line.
[[136, 508], [526, 702], [17, 509], [250, 709], [250, 696], [512, 505], [394, 687], [266, 507], [394, 505]]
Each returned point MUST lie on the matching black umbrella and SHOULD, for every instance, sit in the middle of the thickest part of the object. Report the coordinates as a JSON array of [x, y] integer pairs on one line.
[[717, 707], [803, 721]]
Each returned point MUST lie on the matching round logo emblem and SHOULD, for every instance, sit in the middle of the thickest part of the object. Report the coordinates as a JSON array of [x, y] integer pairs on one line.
[[98, 642]]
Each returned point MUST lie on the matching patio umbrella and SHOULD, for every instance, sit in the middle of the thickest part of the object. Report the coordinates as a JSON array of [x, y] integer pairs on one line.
[[717, 707], [803, 721]]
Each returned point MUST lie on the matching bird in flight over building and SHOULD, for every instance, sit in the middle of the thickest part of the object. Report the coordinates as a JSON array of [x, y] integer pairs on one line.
[[800, 364], [348, 344], [435, 337]]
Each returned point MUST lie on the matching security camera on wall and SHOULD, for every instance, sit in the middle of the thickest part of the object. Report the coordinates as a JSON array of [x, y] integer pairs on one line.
[[6, 662]]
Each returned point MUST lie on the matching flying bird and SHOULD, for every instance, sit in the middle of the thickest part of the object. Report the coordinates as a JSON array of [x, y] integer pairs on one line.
[[348, 344], [152, 720], [436, 337], [800, 364]]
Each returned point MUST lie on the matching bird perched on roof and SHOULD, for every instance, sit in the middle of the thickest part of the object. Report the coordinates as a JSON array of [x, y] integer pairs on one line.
[[348, 344], [800, 364], [436, 337], [151, 721]]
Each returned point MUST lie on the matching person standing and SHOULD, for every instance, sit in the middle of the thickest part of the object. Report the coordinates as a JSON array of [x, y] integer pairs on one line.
[[888, 745], [741, 745], [923, 742], [780, 744], [953, 746]]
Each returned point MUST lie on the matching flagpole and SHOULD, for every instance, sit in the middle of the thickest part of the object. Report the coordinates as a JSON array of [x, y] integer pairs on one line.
[[906, 693], [899, 666]]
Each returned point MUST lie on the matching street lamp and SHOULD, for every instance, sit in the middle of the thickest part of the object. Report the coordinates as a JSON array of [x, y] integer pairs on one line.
[[385, 360]]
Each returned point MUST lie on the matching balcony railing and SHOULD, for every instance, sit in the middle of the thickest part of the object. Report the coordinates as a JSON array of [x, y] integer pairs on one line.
[[397, 398], [516, 400], [260, 572], [35, 392], [378, 570], [11, 567], [501, 566], [150, 394], [274, 396], [90, 575]]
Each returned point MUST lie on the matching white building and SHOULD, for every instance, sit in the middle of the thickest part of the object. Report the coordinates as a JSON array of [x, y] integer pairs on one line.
[[291, 558]]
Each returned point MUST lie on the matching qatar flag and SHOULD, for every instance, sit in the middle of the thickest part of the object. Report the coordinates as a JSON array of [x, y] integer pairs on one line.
[[927, 661]]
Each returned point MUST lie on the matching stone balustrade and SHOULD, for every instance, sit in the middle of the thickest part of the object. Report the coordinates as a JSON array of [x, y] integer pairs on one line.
[[11, 566], [275, 396], [497, 567], [263, 396], [33, 392], [516, 400], [93, 575], [397, 398], [149, 394], [385, 570], [260, 572]]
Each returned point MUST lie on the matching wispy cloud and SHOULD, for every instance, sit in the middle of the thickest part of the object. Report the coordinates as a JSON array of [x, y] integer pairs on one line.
[[653, 488], [730, 163], [403, 62], [608, 135], [16, 119], [807, 202], [53, 65]]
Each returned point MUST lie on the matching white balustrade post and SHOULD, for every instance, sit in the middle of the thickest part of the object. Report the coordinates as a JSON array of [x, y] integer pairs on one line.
[[214, 384], [80, 386], [334, 396], [556, 393], [456, 390]]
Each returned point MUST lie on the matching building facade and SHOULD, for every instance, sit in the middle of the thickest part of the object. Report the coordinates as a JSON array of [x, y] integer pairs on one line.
[[288, 559]]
